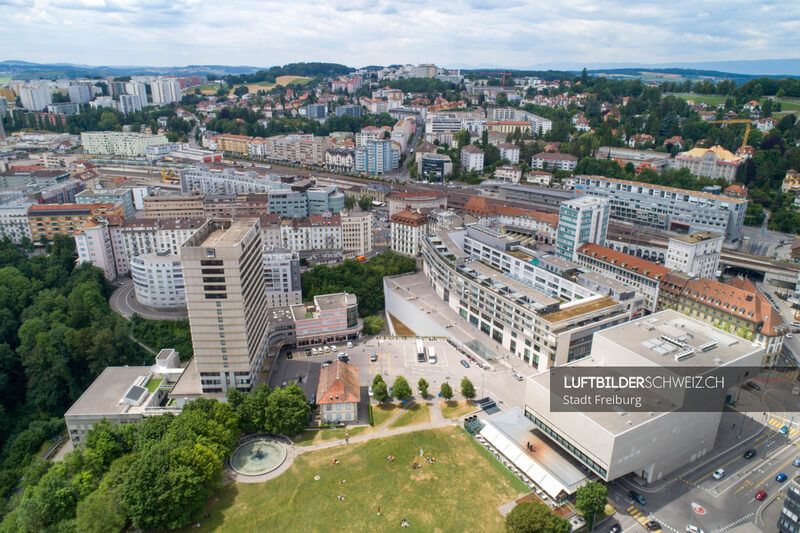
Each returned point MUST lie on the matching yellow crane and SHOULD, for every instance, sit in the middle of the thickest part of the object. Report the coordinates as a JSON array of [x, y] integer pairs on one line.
[[736, 121]]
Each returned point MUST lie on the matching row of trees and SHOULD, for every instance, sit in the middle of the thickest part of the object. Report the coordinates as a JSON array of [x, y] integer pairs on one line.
[[401, 390], [536, 517], [364, 279]]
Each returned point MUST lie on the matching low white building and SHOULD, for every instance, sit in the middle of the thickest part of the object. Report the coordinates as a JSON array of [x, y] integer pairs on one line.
[[408, 229], [554, 161], [508, 173], [696, 254], [158, 280]]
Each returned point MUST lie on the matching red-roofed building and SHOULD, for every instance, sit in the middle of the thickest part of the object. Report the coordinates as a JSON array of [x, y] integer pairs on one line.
[[736, 307], [408, 229], [644, 276], [736, 191], [338, 393]]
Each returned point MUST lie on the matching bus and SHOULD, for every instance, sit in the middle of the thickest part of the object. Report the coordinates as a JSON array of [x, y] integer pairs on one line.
[[420, 351], [431, 355]]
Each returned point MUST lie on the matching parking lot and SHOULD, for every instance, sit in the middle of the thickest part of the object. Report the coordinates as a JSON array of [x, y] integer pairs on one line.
[[394, 357]]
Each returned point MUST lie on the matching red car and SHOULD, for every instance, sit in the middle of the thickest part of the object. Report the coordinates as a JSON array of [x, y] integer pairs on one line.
[[760, 495]]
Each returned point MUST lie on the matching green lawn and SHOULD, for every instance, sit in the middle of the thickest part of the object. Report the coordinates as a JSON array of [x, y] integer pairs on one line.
[[460, 492], [455, 408], [153, 384], [710, 99], [315, 436], [419, 413], [382, 412]]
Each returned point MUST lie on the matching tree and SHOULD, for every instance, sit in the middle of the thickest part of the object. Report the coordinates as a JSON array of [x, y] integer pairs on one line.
[[462, 138], [535, 517], [590, 500], [401, 389], [365, 202], [287, 411], [349, 201], [373, 325], [467, 389], [501, 99], [446, 391], [241, 90], [377, 379], [380, 392], [422, 385], [100, 512]]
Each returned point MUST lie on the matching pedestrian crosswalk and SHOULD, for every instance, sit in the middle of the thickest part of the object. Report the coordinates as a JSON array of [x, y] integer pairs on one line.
[[736, 523], [639, 516], [777, 423]]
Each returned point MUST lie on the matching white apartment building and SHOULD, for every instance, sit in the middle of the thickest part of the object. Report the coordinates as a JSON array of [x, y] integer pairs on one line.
[[147, 236], [117, 143], [539, 124], [715, 162], [356, 233], [402, 132], [158, 280], [80, 93], [509, 151], [138, 90], [227, 181], [408, 229], [129, 103], [508, 173], [580, 221], [696, 254], [14, 223], [314, 233], [554, 161], [226, 300], [370, 133], [93, 244], [35, 97], [472, 158], [165, 91], [282, 277]]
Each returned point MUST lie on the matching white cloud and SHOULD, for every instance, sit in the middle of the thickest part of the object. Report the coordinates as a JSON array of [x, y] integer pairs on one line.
[[513, 33]]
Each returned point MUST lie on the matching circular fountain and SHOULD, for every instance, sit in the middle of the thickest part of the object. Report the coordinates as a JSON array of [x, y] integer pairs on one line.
[[258, 456]]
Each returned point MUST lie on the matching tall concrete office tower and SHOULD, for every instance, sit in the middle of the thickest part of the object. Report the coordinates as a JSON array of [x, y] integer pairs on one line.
[[224, 281], [581, 220]]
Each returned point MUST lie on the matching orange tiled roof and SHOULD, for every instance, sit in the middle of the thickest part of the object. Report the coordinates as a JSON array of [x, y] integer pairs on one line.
[[338, 383], [628, 262]]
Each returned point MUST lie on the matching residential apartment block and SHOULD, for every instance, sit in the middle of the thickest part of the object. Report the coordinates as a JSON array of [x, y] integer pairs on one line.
[[408, 229], [472, 158], [377, 156], [158, 280], [554, 161], [696, 254], [356, 233], [65, 219], [715, 162], [282, 277], [117, 143], [316, 232]]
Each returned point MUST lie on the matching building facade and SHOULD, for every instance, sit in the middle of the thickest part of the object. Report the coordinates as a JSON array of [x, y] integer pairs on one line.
[[408, 229], [331, 318], [118, 143], [581, 221], [282, 277], [715, 162], [357, 233], [338, 393], [472, 158], [696, 254], [158, 280], [93, 244], [226, 299]]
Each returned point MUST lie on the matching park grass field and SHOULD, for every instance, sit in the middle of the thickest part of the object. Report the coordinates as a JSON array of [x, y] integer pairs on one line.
[[382, 412], [459, 492], [456, 408], [416, 414], [710, 99], [314, 436]]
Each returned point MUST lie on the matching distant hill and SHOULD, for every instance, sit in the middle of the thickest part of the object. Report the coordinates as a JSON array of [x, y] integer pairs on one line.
[[657, 74], [26, 70]]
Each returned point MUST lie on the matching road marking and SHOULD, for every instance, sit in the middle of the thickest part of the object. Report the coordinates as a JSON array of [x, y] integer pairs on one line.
[[736, 523], [746, 483], [726, 464]]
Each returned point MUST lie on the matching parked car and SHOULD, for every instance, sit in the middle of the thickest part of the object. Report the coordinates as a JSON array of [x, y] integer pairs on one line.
[[464, 363], [313, 351], [749, 454], [327, 349], [373, 357], [719, 474], [652, 525], [333, 347], [780, 478], [788, 335], [308, 352], [638, 498], [516, 375], [693, 529], [370, 390], [753, 385], [344, 358], [289, 355], [349, 344], [760, 495]]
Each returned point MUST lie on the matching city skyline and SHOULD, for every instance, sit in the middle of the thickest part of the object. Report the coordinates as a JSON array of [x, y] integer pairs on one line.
[[515, 33]]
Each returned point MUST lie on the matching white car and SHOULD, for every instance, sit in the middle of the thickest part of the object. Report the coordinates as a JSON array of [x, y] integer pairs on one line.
[[314, 351], [719, 474], [326, 349], [693, 529], [370, 390], [349, 344], [333, 347]]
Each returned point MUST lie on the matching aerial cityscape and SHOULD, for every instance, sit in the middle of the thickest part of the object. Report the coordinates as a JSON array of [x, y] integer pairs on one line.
[[492, 277]]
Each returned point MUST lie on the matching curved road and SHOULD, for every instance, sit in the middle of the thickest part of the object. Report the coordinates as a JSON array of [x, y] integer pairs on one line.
[[123, 301]]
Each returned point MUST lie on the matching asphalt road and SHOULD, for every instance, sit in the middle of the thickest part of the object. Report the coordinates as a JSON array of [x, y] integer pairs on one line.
[[123, 301]]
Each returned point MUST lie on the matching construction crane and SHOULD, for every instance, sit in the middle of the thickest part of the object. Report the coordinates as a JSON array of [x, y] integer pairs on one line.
[[736, 121], [497, 74]]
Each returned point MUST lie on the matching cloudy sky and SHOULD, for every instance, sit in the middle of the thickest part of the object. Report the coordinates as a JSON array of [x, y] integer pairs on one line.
[[512, 33]]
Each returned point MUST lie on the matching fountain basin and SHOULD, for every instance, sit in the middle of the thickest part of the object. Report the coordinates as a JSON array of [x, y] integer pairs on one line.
[[258, 456]]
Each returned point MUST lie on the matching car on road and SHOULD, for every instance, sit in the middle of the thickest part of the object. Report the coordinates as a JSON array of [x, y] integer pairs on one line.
[[753, 385], [693, 529], [652, 525], [796, 462], [349, 344], [313, 351], [718, 474], [344, 358], [516, 375], [326, 363], [615, 529], [638, 498], [784, 430], [373, 357], [780, 478], [370, 390], [464, 363], [760, 495], [333, 347], [788, 335], [749, 454]]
